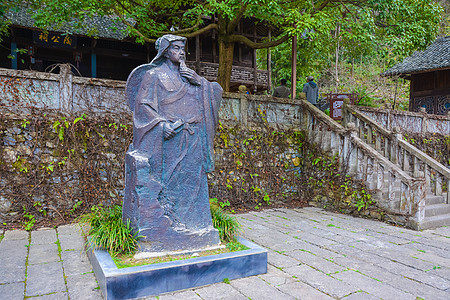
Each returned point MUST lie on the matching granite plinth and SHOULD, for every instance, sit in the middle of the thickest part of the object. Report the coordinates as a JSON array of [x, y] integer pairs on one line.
[[155, 279]]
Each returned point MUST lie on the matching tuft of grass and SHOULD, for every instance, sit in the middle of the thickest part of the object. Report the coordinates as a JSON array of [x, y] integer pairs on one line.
[[108, 231], [226, 224]]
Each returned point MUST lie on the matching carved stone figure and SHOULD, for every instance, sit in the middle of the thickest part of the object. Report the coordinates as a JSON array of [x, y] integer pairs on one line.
[[175, 113]]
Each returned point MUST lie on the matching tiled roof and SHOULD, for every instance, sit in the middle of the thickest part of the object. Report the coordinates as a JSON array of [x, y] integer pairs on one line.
[[436, 56], [102, 27]]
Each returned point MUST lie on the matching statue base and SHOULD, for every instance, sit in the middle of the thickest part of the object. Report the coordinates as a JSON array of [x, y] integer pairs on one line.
[[156, 279]]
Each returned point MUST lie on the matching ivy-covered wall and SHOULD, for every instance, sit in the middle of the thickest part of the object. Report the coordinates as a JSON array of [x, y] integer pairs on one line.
[[55, 167]]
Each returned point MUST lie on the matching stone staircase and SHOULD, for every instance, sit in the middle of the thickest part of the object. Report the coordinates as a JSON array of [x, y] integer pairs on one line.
[[413, 161], [406, 182]]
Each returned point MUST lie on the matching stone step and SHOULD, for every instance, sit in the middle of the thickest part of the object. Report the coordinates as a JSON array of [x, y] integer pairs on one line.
[[437, 210], [431, 199], [434, 222]]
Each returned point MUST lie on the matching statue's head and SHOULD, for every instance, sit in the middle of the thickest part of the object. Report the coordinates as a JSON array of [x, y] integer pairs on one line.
[[169, 43]]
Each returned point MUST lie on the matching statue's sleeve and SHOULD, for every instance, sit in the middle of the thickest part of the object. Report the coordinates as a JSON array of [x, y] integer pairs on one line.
[[212, 96], [147, 120]]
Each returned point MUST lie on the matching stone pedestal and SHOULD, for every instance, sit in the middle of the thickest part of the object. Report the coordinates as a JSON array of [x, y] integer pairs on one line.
[[145, 210]]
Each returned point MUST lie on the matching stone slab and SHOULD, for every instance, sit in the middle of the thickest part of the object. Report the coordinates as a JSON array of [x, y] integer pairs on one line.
[[43, 253], [43, 236], [12, 291], [54, 279], [155, 279]]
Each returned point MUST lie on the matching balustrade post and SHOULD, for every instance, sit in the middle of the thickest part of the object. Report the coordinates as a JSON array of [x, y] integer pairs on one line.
[[360, 165], [427, 174], [371, 178], [416, 167], [369, 135], [448, 191], [391, 190], [406, 156], [438, 184], [394, 145], [378, 142], [348, 151]]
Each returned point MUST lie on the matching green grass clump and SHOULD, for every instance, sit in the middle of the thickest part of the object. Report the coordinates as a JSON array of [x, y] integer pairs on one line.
[[108, 231], [227, 225]]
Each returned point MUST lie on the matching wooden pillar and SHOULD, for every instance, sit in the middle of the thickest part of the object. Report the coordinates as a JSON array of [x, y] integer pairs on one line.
[[14, 54], [214, 43], [255, 69], [197, 53], [294, 67], [93, 59]]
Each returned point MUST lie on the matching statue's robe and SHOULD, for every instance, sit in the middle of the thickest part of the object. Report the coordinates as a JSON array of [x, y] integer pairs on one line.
[[166, 196]]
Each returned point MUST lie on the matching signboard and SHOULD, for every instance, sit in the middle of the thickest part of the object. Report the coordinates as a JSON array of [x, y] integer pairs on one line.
[[337, 101], [52, 39]]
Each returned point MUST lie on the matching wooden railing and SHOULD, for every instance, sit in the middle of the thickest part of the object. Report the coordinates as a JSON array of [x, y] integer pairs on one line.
[[392, 145], [394, 188]]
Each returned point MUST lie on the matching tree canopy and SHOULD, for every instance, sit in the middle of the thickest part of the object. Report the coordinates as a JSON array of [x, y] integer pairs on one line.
[[399, 26]]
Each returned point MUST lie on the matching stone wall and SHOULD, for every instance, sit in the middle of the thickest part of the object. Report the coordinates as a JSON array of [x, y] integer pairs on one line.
[[73, 95], [63, 141]]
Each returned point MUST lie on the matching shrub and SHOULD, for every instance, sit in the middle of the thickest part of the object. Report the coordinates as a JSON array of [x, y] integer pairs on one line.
[[227, 225], [108, 231]]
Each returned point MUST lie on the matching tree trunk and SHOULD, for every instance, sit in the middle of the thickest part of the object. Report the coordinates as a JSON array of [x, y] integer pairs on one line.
[[225, 64]]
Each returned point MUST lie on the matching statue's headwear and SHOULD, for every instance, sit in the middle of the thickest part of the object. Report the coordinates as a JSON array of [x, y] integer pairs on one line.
[[136, 76], [162, 44]]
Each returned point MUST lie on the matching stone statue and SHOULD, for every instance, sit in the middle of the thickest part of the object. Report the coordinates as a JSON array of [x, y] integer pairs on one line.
[[175, 114]]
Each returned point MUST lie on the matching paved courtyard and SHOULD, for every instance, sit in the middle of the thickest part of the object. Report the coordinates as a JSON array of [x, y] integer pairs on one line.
[[313, 254]]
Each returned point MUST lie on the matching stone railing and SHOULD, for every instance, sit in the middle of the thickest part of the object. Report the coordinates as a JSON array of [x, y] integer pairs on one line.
[[392, 145], [393, 188], [411, 122]]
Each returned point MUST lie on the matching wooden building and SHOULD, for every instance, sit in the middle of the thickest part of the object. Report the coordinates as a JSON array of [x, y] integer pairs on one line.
[[99, 51], [429, 73]]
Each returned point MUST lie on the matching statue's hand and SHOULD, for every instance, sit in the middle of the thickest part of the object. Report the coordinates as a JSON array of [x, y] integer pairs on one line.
[[169, 131], [189, 74]]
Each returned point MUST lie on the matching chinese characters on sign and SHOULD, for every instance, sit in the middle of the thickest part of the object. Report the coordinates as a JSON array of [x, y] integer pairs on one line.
[[337, 101], [54, 39]]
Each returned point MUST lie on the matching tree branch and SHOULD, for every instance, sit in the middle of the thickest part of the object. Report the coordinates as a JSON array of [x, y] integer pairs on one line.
[[181, 31], [256, 45], [199, 31]]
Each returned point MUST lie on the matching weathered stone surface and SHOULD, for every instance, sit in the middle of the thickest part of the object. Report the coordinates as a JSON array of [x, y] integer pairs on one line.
[[75, 262], [83, 286], [44, 279], [43, 254], [256, 288], [320, 281], [43, 236], [219, 291], [12, 290]]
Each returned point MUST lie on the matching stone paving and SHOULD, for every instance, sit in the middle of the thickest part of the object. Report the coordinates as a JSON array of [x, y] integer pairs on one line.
[[313, 254]]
